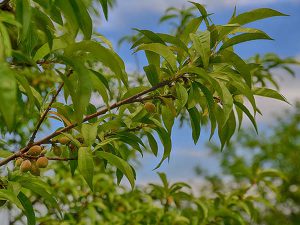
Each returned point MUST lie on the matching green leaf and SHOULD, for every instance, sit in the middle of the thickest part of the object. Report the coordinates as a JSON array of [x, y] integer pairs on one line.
[[226, 132], [152, 143], [203, 12], [152, 74], [243, 38], [8, 95], [10, 196], [270, 173], [166, 141], [89, 133], [104, 142], [37, 96], [102, 78], [256, 14], [182, 95], [201, 8], [45, 49], [99, 86], [167, 17], [104, 7], [201, 43], [246, 91], [121, 164], [162, 50], [86, 165], [70, 16], [5, 44], [39, 187], [102, 54], [195, 123], [154, 59], [210, 103], [168, 117], [191, 27], [23, 15], [152, 36], [132, 140], [246, 111], [82, 93], [239, 64], [173, 40], [134, 91], [83, 18], [5, 153], [28, 209], [227, 101], [239, 112], [266, 92], [164, 180], [25, 84], [73, 163], [45, 24]]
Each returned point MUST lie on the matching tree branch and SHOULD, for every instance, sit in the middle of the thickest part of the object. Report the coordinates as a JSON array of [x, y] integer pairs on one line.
[[47, 110], [132, 99]]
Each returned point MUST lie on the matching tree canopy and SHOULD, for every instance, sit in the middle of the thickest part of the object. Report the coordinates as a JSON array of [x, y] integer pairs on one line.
[[53, 60]]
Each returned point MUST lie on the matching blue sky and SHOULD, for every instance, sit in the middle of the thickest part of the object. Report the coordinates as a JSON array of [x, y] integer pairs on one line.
[[143, 14]]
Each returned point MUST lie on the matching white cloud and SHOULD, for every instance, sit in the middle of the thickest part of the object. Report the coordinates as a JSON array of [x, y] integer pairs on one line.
[[289, 88], [124, 10]]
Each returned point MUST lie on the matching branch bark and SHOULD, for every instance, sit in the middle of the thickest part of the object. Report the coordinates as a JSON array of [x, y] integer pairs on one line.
[[41, 120], [132, 99]]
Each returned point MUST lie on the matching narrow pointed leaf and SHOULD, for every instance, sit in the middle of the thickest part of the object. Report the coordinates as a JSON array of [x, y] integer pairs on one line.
[[86, 165], [121, 164]]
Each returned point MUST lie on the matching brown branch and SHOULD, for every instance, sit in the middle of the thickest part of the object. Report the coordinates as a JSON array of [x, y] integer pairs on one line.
[[132, 99], [41, 120], [5, 6]]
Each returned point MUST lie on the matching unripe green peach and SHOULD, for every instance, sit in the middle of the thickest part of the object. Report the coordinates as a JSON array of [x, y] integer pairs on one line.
[[35, 170], [25, 166], [150, 107], [56, 150], [63, 140], [35, 150], [42, 162], [19, 162]]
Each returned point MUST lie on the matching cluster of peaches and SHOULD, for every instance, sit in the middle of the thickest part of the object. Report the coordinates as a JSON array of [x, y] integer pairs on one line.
[[35, 158]]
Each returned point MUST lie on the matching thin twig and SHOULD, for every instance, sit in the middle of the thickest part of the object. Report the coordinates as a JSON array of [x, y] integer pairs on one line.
[[132, 99], [47, 110]]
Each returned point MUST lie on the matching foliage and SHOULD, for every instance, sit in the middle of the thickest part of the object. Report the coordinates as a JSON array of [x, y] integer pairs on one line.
[[277, 150], [52, 62]]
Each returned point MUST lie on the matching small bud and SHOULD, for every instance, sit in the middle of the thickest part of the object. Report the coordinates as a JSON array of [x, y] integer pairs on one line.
[[25, 166], [42, 162]]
